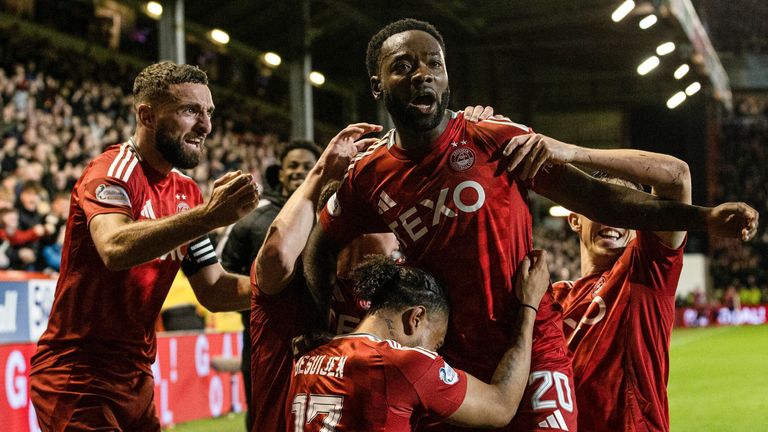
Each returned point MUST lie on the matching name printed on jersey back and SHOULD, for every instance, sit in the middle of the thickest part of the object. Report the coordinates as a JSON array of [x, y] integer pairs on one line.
[[332, 366]]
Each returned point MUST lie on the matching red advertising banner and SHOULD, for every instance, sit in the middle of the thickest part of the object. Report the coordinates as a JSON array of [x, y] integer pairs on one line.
[[186, 386]]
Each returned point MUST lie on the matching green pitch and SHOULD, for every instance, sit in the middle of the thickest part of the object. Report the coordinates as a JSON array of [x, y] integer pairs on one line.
[[718, 382], [718, 379]]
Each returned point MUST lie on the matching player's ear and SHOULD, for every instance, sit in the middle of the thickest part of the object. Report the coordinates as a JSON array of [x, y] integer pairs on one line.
[[575, 222], [145, 116], [376, 87], [413, 317]]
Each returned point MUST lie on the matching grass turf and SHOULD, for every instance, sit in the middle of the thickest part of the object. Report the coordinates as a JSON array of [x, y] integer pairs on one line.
[[718, 382]]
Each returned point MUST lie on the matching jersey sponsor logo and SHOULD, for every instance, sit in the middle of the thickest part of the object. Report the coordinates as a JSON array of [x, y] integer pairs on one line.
[[462, 159], [113, 195], [385, 202], [333, 206], [448, 375], [468, 197]]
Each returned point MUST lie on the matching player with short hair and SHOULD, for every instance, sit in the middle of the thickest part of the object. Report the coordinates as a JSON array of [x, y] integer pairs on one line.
[[619, 315], [134, 221], [385, 375], [438, 183]]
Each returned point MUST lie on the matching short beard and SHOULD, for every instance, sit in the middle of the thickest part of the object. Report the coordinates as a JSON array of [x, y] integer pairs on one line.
[[175, 152], [413, 120]]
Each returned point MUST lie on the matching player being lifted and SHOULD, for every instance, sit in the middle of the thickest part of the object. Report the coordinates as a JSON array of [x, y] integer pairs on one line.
[[438, 183]]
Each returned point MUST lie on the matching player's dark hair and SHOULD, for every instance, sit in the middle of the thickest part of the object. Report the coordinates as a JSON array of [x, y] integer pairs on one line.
[[299, 144], [388, 285], [373, 54], [153, 82], [604, 176]]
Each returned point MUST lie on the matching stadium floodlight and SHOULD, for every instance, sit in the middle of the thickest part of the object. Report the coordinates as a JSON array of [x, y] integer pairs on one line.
[[665, 48], [693, 88], [271, 59], [316, 78], [559, 211], [648, 21], [648, 65], [623, 10], [676, 100], [681, 71], [219, 36], [154, 9]]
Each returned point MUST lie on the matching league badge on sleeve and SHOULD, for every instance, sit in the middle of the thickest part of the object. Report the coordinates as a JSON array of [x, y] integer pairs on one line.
[[448, 375], [113, 195]]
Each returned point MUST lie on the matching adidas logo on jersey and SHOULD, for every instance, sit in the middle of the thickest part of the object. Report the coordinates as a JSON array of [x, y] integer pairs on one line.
[[385, 202], [148, 212], [554, 421]]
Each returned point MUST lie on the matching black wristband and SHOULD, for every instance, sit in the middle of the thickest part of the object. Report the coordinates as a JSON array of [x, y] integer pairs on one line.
[[529, 306]]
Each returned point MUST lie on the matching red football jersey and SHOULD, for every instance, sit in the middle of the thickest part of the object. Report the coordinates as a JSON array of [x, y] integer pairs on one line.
[[618, 325], [275, 321], [464, 220], [113, 314], [358, 382]]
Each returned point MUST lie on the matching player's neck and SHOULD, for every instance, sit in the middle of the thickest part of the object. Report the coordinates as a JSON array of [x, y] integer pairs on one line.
[[592, 265], [378, 326], [145, 146], [407, 138]]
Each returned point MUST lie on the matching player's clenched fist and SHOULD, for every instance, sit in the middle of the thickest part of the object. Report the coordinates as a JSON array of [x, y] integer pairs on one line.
[[528, 153], [532, 279], [234, 195], [733, 220]]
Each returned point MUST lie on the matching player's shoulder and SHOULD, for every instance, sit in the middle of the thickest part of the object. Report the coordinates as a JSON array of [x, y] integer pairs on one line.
[[373, 155], [183, 178], [119, 161], [498, 126]]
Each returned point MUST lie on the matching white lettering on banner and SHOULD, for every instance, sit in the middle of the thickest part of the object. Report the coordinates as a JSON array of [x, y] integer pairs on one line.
[[41, 294], [216, 396], [166, 415], [8, 312], [16, 380], [744, 315], [173, 348], [226, 346], [34, 425], [202, 356], [413, 224], [346, 324], [156, 374]]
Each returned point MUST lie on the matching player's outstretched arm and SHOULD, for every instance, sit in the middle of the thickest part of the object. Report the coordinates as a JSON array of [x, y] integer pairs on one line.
[[288, 234], [220, 291], [123, 243], [620, 206], [494, 404]]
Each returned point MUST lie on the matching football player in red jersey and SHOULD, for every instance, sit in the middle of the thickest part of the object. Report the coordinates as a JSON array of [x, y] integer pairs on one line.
[[619, 314], [437, 182], [134, 221], [385, 376]]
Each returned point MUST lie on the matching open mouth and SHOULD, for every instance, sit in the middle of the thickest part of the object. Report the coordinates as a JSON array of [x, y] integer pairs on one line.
[[195, 142], [610, 234], [425, 103]]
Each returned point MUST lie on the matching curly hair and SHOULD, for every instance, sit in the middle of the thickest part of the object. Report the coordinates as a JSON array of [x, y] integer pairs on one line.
[[388, 285], [153, 82], [373, 53]]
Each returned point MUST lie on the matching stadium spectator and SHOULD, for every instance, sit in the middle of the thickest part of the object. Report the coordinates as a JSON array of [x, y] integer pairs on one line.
[[466, 224], [386, 376], [134, 219], [625, 297]]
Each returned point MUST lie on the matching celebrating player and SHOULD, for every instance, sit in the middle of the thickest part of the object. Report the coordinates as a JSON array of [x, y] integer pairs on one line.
[[386, 376], [437, 182], [619, 314], [133, 219]]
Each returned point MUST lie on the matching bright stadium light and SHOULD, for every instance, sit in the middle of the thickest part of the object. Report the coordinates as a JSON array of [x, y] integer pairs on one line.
[[316, 78], [271, 59], [665, 48], [648, 21], [681, 71], [693, 88], [648, 65], [622, 11], [219, 36], [675, 100], [559, 211], [154, 9]]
